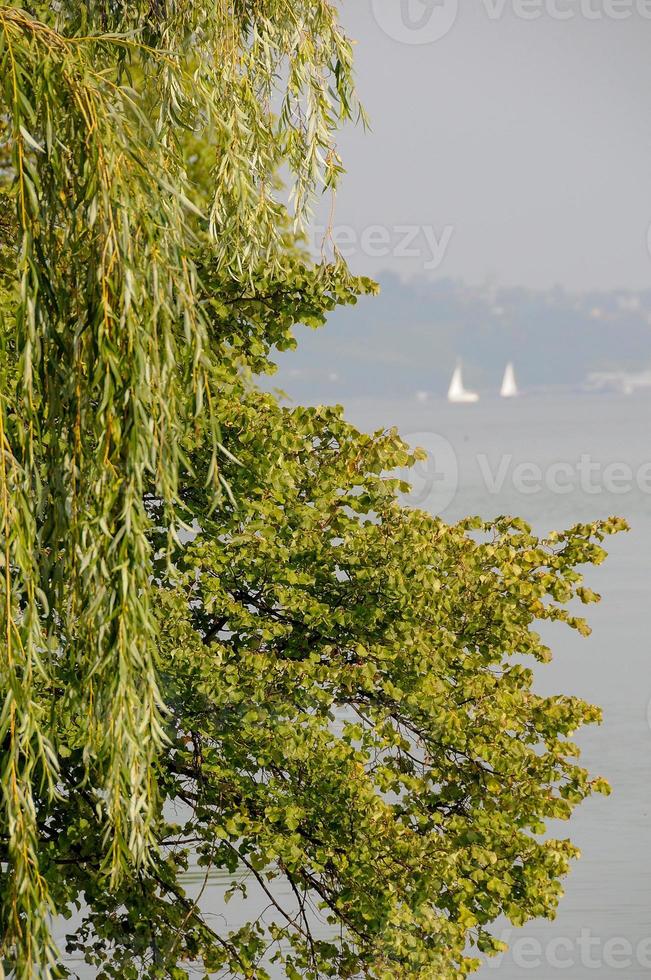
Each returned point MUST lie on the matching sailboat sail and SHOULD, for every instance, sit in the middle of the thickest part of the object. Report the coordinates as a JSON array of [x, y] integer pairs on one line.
[[457, 392], [509, 384], [456, 385]]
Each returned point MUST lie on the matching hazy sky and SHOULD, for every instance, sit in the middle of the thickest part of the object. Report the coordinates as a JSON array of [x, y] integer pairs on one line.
[[509, 149]]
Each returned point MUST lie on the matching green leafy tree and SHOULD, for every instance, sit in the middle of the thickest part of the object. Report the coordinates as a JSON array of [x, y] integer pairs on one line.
[[354, 739], [226, 642]]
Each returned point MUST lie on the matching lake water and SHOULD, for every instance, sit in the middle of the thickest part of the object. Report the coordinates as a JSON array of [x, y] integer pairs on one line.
[[556, 460]]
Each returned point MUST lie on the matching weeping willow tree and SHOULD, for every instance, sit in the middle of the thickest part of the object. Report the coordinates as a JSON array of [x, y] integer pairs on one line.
[[107, 364]]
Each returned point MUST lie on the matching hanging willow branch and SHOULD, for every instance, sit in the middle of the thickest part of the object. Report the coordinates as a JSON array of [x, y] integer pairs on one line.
[[106, 358]]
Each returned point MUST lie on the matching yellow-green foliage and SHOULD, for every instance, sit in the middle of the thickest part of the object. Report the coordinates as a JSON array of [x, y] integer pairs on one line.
[[322, 685], [352, 720]]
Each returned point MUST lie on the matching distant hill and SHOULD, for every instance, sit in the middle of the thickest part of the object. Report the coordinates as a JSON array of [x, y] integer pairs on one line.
[[409, 338]]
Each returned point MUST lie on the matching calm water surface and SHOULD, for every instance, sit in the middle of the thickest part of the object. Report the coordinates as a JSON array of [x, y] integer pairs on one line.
[[601, 448]]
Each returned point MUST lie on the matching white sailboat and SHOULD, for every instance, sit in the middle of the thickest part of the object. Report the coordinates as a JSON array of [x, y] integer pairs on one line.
[[456, 391], [509, 385]]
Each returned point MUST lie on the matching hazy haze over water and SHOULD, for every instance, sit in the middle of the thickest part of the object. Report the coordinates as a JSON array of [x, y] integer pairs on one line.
[[531, 138]]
